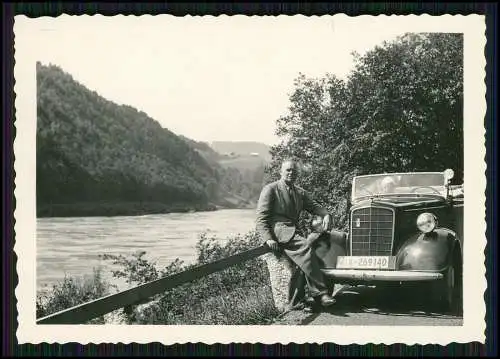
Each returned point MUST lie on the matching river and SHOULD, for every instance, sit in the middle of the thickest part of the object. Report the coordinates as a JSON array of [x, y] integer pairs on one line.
[[71, 246]]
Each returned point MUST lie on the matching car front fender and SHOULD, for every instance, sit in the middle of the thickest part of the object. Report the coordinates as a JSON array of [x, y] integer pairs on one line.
[[330, 247], [427, 251]]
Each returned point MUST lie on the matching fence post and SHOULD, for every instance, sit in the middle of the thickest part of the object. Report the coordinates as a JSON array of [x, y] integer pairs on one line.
[[280, 272]]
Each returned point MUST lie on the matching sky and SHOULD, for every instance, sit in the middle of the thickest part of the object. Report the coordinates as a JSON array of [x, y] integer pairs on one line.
[[208, 78]]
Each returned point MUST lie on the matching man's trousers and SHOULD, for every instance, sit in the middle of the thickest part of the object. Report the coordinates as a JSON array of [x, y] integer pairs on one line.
[[305, 258]]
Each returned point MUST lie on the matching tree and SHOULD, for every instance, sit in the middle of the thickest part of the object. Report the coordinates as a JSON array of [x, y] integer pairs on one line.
[[399, 110]]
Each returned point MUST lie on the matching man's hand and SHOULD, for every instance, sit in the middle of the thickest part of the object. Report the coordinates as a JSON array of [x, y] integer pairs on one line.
[[273, 245], [327, 220], [311, 239]]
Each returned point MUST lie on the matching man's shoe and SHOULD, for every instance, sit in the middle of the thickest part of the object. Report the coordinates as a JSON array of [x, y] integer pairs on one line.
[[327, 300], [309, 300]]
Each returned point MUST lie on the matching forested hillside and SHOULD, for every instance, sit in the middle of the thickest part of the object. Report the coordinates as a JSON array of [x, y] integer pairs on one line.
[[95, 157], [93, 154]]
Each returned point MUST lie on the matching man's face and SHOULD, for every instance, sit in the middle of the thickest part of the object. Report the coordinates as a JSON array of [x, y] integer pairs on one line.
[[289, 171]]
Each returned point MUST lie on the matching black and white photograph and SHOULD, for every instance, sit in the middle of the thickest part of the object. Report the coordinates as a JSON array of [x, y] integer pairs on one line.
[[250, 179]]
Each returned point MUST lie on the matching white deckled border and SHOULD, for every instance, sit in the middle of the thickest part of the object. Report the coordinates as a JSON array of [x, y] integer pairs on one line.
[[473, 27]]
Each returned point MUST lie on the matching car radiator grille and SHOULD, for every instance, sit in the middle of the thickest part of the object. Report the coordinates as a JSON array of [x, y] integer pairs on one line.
[[372, 231]]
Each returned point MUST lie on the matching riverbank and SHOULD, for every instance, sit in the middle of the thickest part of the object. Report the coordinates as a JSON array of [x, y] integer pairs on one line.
[[98, 209], [109, 209]]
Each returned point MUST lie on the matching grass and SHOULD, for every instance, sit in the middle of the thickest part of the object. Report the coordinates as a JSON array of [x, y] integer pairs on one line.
[[242, 306], [239, 307]]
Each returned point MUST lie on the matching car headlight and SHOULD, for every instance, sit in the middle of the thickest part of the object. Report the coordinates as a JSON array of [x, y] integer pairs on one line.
[[426, 222]]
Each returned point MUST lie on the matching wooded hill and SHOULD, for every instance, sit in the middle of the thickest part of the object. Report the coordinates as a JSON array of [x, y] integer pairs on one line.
[[95, 157]]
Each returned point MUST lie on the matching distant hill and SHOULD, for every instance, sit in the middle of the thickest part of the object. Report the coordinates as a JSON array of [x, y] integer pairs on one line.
[[244, 156], [242, 162], [242, 148], [241, 174]]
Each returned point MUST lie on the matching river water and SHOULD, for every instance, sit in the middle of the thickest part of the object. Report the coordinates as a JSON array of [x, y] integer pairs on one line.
[[71, 246]]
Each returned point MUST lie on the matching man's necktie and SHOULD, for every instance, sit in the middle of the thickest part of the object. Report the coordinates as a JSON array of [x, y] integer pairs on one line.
[[291, 193]]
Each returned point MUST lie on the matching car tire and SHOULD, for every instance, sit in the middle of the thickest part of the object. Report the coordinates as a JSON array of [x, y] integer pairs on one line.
[[447, 292]]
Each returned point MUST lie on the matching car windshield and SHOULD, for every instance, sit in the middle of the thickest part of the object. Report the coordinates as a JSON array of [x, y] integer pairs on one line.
[[390, 184]]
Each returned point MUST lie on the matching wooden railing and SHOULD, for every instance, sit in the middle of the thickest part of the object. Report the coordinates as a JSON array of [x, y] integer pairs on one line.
[[82, 313]]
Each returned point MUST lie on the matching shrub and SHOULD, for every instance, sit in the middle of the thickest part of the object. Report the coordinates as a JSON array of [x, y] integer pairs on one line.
[[72, 291]]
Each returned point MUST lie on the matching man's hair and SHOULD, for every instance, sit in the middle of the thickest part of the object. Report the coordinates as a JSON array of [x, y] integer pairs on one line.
[[295, 161]]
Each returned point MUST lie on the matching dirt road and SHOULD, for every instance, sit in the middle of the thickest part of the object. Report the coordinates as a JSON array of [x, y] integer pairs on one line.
[[375, 306]]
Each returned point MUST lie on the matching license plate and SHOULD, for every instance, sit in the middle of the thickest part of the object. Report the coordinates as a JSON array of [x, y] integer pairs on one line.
[[366, 262]]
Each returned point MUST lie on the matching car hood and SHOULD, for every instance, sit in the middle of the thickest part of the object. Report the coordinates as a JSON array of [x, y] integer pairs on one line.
[[400, 201]]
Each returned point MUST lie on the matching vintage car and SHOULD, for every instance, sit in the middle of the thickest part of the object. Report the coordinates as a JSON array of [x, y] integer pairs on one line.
[[405, 227]]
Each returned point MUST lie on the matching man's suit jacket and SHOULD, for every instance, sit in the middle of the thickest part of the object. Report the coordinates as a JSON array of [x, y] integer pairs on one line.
[[277, 216]]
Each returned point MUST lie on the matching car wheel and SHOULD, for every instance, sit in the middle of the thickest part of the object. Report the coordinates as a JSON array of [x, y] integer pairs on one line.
[[448, 294]]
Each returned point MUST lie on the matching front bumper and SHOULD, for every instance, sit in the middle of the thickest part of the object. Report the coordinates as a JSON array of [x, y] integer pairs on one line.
[[381, 275]]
